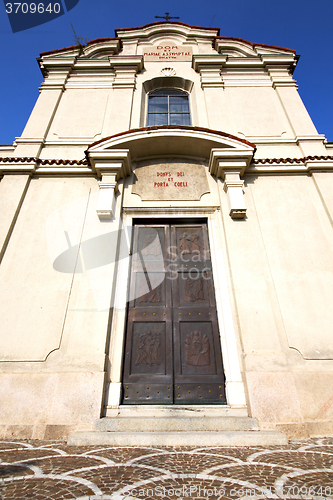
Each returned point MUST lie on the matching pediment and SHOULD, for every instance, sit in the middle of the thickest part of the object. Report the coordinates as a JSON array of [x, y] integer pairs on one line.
[[180, 141], [238, 47], [158, 30]]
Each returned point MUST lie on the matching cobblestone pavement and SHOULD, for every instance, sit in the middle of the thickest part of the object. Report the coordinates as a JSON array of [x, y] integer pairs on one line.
[[43, 470]]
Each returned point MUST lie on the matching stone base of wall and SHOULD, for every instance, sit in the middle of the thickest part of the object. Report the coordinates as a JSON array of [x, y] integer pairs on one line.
[[43, 432], [49, 405], [306, 429]]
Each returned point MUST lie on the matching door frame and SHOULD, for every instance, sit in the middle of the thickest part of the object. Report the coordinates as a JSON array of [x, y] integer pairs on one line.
[[234, 386]]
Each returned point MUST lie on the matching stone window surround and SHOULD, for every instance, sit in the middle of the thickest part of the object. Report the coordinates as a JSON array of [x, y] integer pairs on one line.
[[164, 82]]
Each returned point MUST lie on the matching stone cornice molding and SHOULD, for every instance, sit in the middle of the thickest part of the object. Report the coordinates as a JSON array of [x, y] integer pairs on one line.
[[203, 60], [223, 43], [126, 68], [230, 166], [115, 161], [135, 62], [92, 64], [280, 68], [142, 34], [102, 45], [171, 140], [110, 166], [223, 161], [56, 71], [260, 165], [98, 45], [209, 67]]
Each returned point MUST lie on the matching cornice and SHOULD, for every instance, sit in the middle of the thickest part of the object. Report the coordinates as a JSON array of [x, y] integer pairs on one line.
[[148, 130], [135, 62], [102, 44], [113, 44], [202, 61], [170, 211], [220, 43], [93, 64], [176, 27], [277, 161], [40, 166], [74, 48], [57, 62], [305, 165], [259, 165], [116, 161]]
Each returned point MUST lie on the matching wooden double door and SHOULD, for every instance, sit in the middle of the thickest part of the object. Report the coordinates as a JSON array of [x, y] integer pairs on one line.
[[172, 351]]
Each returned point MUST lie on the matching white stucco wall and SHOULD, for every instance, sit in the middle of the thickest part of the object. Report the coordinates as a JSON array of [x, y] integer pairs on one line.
[[62, 328]]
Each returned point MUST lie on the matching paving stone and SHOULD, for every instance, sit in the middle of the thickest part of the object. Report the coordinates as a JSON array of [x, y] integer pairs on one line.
[[43, 470]]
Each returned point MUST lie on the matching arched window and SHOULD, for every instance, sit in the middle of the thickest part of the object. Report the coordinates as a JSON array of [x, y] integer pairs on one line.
[[168, 107]]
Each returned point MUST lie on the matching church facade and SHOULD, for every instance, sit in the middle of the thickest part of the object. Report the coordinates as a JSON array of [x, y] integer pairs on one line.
[[166, 239]]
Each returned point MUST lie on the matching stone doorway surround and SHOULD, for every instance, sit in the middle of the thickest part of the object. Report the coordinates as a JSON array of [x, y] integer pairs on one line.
[[234, 386], [173, 350], [227, 158]]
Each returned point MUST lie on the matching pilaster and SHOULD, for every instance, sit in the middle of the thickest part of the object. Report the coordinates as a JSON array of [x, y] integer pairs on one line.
[[56, 71]]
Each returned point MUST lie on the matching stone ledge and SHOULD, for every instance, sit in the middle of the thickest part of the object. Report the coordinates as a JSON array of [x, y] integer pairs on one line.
[[306, 430], [175, 423], [225, 438]]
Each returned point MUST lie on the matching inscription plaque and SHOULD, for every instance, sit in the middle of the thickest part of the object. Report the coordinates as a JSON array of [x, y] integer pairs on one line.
[[170, 181], [167, 51]]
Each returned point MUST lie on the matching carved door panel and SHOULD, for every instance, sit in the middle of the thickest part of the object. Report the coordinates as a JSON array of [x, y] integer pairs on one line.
[[148, 364], [172, 352], [198, 371]]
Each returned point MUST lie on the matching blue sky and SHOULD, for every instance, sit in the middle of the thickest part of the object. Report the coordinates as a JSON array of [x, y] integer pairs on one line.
[[303, 25]]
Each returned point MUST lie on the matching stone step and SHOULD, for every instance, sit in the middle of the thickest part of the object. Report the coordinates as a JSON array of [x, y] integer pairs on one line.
[[175, 423], [179, 410], [181, 438]]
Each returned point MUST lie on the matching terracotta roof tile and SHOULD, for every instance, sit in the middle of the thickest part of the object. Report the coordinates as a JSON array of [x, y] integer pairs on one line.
[[271, 161], [40, 161], [259, 161]]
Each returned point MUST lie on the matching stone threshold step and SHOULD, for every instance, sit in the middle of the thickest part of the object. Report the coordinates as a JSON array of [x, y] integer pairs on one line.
[[174, 423], [179, 410], [201, 438]]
